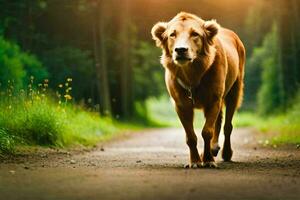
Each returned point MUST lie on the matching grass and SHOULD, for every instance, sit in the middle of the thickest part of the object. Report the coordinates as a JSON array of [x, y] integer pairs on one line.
[[161, 110], [285, 127], [34, 117]]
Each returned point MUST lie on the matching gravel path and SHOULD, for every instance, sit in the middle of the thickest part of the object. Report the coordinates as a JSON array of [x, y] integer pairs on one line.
[[149, 165]]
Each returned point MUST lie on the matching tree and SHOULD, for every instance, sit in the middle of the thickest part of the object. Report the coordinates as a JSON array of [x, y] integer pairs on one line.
[[70, 62], [146, 65], [289, 47], [255, 32], [100, 57], [126, 62], [286, 65], [270, 94]]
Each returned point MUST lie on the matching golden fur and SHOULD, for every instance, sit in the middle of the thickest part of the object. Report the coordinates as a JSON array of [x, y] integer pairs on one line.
[[213, 66]]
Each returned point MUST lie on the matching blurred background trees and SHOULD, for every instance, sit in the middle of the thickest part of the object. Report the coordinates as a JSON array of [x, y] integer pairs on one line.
[[272, 79], [106, 47]]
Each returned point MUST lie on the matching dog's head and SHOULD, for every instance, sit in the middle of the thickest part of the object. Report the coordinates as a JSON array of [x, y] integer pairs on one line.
[[185, 37]]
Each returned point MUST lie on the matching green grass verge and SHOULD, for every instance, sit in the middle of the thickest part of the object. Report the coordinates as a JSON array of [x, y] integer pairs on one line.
[[285, 128], [35, 118], [161, 111], [46, 124]]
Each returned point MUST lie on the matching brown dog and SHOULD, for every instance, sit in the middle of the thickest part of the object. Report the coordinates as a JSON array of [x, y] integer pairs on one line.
[[204, 68]]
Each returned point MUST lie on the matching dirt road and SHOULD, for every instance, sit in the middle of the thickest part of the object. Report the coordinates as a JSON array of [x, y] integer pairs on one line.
[[149, 165]]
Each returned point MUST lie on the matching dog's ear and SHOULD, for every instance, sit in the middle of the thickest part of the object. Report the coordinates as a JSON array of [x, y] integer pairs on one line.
[[211, 28], [158, 33]]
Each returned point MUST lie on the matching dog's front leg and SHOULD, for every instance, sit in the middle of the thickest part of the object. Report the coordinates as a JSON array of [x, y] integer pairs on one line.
[[186, 116], [211, 113]]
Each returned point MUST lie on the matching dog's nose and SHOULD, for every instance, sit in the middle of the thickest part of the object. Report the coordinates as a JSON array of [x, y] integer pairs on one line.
[[181, 50]]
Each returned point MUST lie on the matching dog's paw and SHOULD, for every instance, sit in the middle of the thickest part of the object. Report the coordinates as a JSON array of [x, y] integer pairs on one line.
[[227, 154], [192, 166], [215, 149], [210, 164]]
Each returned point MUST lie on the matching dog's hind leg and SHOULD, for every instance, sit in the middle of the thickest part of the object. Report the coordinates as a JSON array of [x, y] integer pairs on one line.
[[211, 113], [231, 101], [215, 140]]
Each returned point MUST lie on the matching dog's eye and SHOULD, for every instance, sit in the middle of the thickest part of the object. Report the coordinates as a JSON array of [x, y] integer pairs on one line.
[[195, 34], [173, 34]]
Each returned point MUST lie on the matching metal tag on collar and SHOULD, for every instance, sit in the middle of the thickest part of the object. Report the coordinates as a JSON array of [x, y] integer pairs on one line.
[[188, 88], [191, 95]]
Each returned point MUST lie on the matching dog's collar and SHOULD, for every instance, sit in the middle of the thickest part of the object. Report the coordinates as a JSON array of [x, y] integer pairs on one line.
[[187, 88]]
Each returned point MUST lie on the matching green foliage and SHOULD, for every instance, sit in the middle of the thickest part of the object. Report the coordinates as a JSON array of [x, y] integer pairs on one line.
[[264, 76], [11, 64], [255, 25], [262, 123], [255, 28], [17, 66], [283, 128], [72, 62], [33, 68], [148, 74], [253, 78], [290, 126], [36, 118], [32, 122], [270, 92]]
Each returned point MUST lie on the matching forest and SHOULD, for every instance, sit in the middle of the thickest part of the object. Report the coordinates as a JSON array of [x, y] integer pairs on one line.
[[96, 61]]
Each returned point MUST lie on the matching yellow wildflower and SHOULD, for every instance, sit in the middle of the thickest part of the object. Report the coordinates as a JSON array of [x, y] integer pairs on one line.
[[68, 97]]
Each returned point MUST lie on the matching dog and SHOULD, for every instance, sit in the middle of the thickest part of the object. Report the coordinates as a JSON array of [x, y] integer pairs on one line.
[[204, 69]]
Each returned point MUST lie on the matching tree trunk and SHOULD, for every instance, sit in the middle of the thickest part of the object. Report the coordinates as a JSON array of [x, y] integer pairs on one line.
[[296, 8], [126, 70], [288, 49], [100, 59]]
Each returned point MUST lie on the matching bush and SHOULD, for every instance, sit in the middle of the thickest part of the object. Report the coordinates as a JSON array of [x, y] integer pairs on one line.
[[18, 66]]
